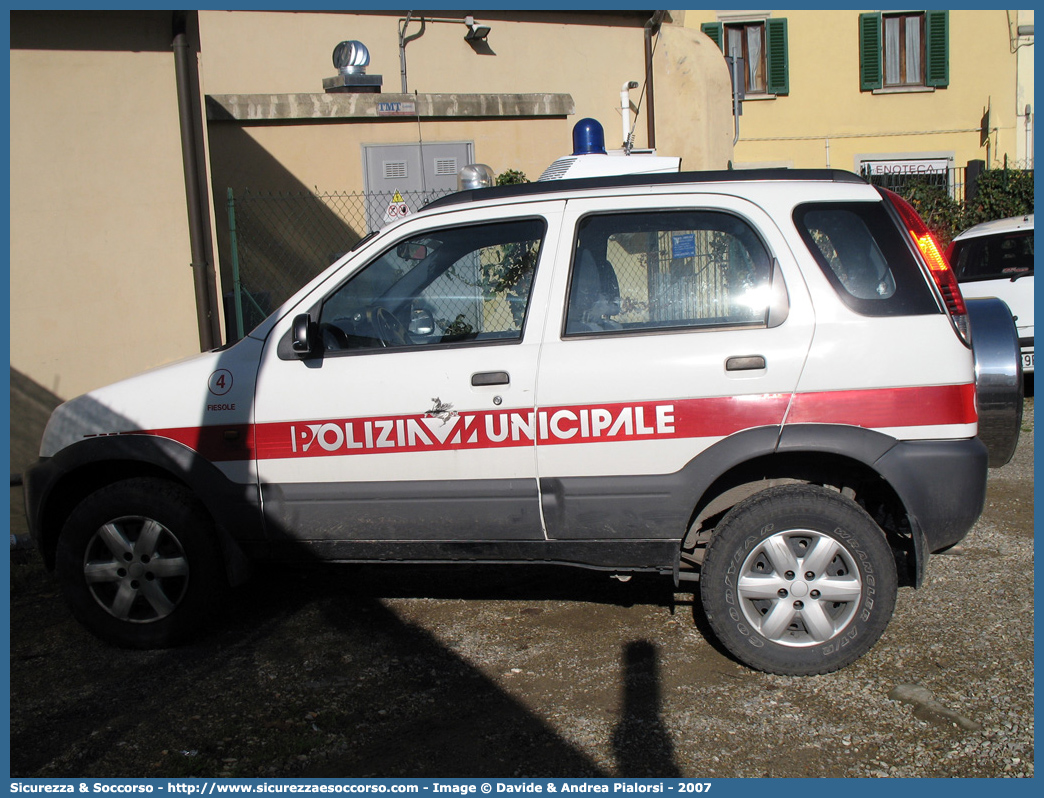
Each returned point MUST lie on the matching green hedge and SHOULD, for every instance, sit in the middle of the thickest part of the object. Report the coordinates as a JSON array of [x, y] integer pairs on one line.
[[1001, 193]]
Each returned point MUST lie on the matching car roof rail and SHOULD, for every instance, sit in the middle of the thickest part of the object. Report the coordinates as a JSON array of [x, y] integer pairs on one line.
[[625, 181]]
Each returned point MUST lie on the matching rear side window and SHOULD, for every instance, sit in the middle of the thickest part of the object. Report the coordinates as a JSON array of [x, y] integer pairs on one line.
[[995, 257], [641, 271], [866, 258]]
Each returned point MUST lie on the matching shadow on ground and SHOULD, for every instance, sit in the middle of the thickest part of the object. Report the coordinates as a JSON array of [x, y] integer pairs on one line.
[[307, 672]]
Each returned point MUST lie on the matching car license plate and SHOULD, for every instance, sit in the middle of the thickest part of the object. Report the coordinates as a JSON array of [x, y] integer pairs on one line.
[[1027, 361]]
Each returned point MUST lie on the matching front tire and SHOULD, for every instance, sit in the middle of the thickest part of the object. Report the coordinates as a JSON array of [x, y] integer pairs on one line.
[[798, 580], [139, 565]]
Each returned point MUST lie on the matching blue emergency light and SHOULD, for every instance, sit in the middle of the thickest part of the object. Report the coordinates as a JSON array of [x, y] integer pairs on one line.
[[588, 137]]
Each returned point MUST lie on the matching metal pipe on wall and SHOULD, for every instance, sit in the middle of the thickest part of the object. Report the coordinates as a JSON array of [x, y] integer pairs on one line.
[[651, 27], [402, 49], [202, 270], [1029, 136]]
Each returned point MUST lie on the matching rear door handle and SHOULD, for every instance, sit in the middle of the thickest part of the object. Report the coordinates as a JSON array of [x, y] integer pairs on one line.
[[745, 363], [491, 378]]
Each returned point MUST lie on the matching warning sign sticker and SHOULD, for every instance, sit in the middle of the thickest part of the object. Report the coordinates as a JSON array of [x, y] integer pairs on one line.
[[397, 208]]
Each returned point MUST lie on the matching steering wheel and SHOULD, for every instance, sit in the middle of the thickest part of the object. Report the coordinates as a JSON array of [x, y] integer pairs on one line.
[[334, 338], [388, 327]]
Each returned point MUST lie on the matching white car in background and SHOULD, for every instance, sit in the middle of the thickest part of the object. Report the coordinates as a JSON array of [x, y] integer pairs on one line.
[[996, 259]]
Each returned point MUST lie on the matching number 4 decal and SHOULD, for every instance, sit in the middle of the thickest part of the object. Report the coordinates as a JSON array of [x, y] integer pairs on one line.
[[220, 382]]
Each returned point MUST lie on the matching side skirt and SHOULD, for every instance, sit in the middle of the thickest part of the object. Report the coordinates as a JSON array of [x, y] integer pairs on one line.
[[649, 556]]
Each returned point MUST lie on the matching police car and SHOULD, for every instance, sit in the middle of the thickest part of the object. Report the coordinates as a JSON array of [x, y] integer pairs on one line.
[[758, 383]]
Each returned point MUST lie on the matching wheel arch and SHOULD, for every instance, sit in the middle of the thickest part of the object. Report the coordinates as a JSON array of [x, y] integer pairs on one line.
[[73, 473], [839, 457]]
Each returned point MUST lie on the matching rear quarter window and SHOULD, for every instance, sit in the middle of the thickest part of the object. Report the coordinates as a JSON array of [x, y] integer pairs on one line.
[[866, 258]]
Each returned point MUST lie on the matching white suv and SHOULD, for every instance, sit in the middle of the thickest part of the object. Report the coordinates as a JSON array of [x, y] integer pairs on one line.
[[762, 381], [995, 259]]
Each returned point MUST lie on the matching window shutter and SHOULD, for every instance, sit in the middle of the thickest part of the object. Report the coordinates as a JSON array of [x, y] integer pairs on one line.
[[937, 48], [714, 30], [870, 71], [778, 78]]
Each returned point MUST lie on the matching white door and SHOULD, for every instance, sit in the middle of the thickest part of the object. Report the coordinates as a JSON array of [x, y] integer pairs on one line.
[[410, 423], [684, 324]]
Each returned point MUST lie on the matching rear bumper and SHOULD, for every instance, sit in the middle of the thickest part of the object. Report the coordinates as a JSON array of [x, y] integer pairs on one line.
[[942, 484]]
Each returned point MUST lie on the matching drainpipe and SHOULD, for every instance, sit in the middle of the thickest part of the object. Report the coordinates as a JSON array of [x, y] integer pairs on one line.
[[402, 50], [651, 27], [1029, 136], [201, 268]]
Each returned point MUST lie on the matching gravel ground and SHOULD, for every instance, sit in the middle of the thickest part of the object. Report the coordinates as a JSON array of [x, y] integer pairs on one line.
[[534, 672]]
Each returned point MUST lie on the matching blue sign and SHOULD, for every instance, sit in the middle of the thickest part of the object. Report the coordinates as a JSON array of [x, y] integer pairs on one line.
[[683, 245]]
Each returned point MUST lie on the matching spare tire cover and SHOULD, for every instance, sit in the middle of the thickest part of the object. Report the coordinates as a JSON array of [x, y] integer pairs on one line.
[[998, 377]]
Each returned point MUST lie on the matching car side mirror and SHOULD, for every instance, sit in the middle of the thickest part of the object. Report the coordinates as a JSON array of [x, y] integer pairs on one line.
[[305, 337], [411, 251]]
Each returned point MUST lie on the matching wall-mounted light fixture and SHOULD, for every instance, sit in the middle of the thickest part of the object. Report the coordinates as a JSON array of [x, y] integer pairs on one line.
[[476, 32], [476, 36]]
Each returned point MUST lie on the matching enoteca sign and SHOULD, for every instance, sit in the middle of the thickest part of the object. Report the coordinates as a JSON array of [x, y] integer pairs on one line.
[[917, 166]]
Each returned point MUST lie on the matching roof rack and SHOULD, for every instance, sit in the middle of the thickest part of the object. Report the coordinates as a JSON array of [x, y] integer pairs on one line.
[[623, 181]]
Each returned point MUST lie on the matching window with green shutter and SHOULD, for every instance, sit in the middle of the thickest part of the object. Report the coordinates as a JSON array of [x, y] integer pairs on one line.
[[904, 50], [870, 75], [762, 44], [713, 30], [776, 66], [937, 48]]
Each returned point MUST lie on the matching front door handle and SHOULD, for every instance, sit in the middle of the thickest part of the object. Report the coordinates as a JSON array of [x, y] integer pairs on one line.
[[745, 363], [490, 378]]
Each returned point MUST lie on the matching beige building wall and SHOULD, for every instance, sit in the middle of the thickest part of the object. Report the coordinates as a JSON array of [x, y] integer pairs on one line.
[[826, 120], [693, 99], [589, 62], [285, 53], [328, 156], [100, 280]]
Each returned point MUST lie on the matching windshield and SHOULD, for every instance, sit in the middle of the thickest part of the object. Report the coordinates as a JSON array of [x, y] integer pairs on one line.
[[994, 257]]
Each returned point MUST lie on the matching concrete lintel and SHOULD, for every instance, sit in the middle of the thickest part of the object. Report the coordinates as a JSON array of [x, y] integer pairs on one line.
[[301, 107]]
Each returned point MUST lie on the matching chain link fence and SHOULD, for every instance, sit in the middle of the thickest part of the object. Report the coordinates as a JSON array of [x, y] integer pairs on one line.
[[280, 241], [665, 280]]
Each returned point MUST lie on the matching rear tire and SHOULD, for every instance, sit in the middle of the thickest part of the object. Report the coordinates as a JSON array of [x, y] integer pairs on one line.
[[139, 564], [798, 580]]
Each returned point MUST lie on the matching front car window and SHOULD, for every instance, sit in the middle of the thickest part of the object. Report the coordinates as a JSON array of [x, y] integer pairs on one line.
[[667, 270], [994, 257], [445, 286]]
